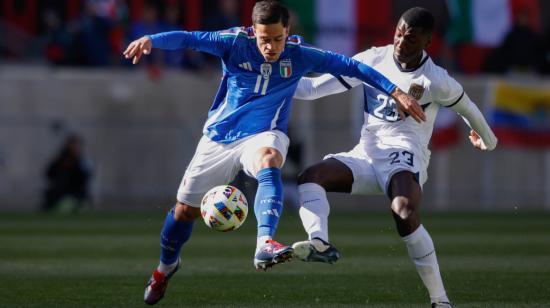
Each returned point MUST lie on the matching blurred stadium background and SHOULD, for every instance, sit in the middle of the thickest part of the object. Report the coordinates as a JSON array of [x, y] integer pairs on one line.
[[62, 74]]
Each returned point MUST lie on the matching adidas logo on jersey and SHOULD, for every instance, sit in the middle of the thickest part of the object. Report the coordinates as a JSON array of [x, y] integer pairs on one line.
[[246, 66]]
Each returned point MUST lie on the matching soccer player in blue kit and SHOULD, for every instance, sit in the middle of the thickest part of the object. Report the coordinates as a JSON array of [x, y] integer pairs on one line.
[[247, 123]]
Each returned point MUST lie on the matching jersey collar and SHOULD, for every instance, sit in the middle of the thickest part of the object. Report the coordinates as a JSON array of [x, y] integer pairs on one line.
[[425, 58]]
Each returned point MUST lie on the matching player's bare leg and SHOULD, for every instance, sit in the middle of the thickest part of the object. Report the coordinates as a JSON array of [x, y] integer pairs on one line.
[[268, 206], [405, 197], [329, 175], [176, 231], [405, 201]]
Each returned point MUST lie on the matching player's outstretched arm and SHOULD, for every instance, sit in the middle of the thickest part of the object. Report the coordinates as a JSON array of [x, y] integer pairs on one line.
[[211, 42], [314, 88], [481, 136], [138, 48], [339, 65]]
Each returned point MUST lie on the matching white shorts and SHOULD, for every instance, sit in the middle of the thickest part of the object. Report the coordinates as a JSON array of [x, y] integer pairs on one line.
[[217, 164], [373, 166]]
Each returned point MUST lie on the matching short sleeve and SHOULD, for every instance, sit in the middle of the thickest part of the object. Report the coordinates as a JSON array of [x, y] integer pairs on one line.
[[371, 56], [447, 91]]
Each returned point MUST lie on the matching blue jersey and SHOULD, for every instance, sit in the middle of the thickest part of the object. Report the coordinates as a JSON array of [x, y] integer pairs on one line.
[[255, 95]]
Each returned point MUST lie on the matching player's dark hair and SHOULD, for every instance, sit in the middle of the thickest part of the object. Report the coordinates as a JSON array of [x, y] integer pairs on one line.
[[269, 12], [419, 17]]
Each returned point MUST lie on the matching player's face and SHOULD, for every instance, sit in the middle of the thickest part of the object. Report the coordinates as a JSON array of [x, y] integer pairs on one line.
[[271, 40], [409, 42]]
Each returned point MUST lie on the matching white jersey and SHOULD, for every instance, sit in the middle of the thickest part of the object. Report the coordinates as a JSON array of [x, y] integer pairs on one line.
[[429, 84]]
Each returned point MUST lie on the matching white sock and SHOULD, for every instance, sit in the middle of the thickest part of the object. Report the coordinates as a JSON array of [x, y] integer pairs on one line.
[[314, 210], [422, 252], [260, 241], [166, 268]]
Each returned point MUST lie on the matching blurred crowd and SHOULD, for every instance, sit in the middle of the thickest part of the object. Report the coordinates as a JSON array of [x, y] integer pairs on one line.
[[94, 33]]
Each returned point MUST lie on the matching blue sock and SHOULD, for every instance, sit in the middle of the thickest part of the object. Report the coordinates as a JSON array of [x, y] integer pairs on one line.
[[268, 204], [173, 235]]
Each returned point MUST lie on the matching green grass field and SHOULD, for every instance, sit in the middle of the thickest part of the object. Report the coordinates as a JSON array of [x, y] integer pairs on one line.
[[104, 260]]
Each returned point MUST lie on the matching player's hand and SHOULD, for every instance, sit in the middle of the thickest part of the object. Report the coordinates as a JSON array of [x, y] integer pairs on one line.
[[476, 141], [407, 104], [138, 48]]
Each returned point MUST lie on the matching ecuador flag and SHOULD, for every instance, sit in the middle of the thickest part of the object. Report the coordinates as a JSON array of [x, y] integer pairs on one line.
[[521, 114]]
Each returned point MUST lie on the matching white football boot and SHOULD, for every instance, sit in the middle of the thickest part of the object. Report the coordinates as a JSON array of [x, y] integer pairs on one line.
[[316, 250]]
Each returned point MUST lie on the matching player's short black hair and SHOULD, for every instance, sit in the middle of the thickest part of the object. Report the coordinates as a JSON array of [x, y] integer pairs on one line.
[[269, 12], [419, 17]]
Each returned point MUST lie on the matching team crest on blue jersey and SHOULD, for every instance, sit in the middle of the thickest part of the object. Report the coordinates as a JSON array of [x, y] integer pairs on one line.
[[265, 69], [416, 91], [285, 68]]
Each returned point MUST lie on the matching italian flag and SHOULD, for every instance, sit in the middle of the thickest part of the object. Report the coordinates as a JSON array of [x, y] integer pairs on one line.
[[343, 26], [486, 22]]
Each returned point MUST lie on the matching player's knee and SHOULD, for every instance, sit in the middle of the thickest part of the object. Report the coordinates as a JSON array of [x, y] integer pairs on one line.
[[184, 212], [270, 158], [403, 207]]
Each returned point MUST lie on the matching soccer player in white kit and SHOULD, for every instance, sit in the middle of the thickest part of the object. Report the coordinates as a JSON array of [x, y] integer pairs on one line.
[[392, 155]]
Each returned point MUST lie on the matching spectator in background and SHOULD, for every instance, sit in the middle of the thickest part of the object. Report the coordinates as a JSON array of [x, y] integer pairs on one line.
[[225, 16], [170, 22], [187, 59], [68, 176], [95, 29], [58, 39], [521, 51], [148, 24]]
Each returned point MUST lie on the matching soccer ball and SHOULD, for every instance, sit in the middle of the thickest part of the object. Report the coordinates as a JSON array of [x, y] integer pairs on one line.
[[224, 208]]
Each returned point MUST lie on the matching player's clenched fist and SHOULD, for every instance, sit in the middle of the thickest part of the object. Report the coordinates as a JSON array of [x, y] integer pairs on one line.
[[406, 103], [137, 48]]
